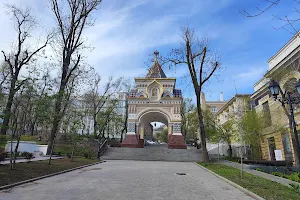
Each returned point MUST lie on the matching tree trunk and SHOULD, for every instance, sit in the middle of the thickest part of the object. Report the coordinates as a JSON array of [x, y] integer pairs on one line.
[[16, 148], [57, 116], [10, 157], [7, 111], [73, 150], [202, 130], [229, 150], [95, 125], [32, 125]]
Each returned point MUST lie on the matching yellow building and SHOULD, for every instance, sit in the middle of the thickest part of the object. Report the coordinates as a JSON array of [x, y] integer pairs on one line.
[[234, 109], [284, 68]]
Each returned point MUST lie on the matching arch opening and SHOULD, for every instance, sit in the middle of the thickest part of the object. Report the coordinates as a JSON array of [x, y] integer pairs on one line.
[[154, 128]]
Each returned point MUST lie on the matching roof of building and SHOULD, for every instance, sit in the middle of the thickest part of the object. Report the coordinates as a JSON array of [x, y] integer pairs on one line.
[[216, 102], [156, 71]]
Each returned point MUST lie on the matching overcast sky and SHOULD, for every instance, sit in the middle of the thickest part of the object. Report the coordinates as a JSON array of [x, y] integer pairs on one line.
[[126, 32]]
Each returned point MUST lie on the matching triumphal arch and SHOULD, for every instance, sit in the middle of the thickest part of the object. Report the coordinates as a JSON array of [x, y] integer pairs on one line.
[[154, 99]]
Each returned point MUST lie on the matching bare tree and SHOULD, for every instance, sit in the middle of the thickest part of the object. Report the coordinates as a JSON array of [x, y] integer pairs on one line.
[[4, 76], [71, 20], [97, 101], [20, 57], [202, 65], [288, 19]]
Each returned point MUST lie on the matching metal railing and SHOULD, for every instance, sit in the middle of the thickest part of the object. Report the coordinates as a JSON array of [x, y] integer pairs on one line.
[[103, 147]]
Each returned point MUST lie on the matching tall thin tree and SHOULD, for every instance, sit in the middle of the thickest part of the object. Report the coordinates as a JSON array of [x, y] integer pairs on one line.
[[202, 65], [20, 56], [71, 20]]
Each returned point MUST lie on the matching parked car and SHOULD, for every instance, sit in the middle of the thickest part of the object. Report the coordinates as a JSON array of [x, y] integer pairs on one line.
[[150, 142]]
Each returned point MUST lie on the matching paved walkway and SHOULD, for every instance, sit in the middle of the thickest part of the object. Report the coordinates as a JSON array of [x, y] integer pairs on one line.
[[247, 168], [6, 162], [134, 180]]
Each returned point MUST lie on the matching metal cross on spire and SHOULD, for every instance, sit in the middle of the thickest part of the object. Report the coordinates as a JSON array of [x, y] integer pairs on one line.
[[156, 53]]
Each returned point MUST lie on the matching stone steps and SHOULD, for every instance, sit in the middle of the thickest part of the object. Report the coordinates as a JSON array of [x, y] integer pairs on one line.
[[153, 153]]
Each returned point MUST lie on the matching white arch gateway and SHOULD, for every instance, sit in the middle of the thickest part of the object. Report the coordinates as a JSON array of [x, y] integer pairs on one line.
[[154, 99]]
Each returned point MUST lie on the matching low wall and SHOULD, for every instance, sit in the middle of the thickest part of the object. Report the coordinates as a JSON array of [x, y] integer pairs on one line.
[[223, 149], [26, 146], [42, 148]]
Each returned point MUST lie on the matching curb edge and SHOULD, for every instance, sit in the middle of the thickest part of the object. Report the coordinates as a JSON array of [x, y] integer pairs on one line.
[[249, 193], [46, 176]]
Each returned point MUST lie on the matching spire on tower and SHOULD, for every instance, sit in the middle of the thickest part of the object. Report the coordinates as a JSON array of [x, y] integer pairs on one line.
[[155, 70]]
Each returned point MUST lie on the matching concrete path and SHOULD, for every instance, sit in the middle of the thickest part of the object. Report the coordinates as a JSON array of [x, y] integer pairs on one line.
[[129, 180], [6, 162]]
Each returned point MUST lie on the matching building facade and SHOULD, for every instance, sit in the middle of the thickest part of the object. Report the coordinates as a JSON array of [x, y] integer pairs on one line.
[[284, 68], [213, 106], [235, 108], [154, 99]]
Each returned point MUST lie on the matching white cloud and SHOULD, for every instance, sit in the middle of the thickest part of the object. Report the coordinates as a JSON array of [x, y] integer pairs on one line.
[[252, 74]]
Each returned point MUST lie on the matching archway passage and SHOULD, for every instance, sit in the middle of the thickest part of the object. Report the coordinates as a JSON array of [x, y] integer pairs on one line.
[[136, 135], [154, 98]]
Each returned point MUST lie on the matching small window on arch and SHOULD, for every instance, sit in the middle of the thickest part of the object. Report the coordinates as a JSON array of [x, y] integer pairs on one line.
[[214, 109]]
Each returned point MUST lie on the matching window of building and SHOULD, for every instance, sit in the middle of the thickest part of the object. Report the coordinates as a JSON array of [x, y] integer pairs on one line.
[[267, 114], [214, 109], [154, 92]]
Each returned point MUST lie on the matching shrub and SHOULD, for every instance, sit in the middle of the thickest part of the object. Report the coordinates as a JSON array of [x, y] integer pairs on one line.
[[261, 170], [294, 177], [233, 159], [18, 153], [3, 140], [27, 138], [295, 187], [2, 157], [69, 155], [5, 154], [86, 155], [278, 174], [28, 156]]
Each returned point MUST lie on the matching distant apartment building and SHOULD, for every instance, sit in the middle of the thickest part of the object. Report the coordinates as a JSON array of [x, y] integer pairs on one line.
[[112, 128], [213, 106], [235, 108], [232, 112], [284, 67]]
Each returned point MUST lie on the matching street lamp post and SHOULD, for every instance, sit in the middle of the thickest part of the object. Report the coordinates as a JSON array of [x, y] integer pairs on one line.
[[287, 99]]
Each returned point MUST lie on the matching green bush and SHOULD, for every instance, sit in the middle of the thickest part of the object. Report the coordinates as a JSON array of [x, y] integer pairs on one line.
[[261, 170], [3, 141], [27, 138], [29, 156], [295, 187], [86, 155], [18, 154], [66, 149], [2, 157], [233, 159], [278, 174], [23, 154], [294, 177]]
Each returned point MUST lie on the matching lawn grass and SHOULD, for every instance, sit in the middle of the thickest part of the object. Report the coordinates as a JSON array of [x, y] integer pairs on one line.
[[263, 187], [25, 171]]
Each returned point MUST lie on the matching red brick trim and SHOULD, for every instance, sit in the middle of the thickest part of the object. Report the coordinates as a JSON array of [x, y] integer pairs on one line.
[[176, 142], [130, 141]]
